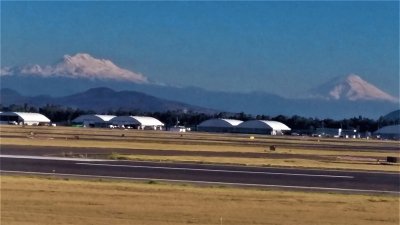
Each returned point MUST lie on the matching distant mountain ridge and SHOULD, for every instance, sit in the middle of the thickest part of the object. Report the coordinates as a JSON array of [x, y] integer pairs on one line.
[[102, 100], [341, 97], [83, 66]]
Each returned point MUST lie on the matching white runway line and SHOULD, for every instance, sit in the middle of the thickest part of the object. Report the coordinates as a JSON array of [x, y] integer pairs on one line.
[[215, 170], [209, 182]]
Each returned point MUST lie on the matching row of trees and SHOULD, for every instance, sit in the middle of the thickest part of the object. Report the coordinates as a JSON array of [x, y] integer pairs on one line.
[[191, 119]]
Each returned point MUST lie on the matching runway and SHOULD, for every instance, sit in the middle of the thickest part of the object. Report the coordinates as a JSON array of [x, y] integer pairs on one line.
[[304, 179]]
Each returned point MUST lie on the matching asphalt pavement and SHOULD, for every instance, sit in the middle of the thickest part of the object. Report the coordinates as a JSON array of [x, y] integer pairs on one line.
[[263, 177]]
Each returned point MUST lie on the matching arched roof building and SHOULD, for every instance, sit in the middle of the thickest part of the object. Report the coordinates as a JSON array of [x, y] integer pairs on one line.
[[23, 118], [138, 122], [390, 132], [93, 120], [218, 125], [262, 127]]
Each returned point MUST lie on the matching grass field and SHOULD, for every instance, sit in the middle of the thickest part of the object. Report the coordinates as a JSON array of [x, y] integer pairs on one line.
[[305, 163], [36, 200], [33, 200], [291, 151]]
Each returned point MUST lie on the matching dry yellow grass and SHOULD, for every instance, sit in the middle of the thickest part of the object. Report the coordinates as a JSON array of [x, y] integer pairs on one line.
[[184, 147], [125, 145], [198, 136], [52, 201], [300, 163]]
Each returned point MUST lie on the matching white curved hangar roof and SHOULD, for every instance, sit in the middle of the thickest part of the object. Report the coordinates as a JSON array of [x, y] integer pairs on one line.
[[220, 123], [93, 118], [139, 120], [393, 129], [263, 124], [28, 117]]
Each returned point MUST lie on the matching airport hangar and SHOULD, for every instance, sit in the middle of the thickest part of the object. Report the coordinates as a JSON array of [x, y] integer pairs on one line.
[[137, 122], [94, 120], [262, 127], [389, 132], [238, 126], [23, 118], [218, 125]]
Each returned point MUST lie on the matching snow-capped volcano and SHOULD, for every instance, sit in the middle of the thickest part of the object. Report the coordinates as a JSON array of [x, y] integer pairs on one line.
[[81, 65], [352, 88]]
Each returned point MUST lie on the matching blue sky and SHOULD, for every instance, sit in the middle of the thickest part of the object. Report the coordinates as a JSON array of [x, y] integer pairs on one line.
[[278, 47]]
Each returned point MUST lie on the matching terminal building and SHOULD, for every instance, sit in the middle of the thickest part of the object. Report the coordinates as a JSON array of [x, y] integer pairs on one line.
[[23, 118]]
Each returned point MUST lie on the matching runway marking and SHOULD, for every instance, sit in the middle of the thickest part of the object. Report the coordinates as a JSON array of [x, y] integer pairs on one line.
[[216, 170], [209, 182]]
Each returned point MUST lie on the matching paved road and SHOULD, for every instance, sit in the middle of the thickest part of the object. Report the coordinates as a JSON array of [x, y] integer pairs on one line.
[[208, 174]]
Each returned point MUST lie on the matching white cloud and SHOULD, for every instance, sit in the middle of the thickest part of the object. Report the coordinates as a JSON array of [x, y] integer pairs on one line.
[[81, 65], [5, 71]]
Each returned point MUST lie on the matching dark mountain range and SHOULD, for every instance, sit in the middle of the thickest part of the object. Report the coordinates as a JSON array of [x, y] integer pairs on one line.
[[102, 100], [255, 103]]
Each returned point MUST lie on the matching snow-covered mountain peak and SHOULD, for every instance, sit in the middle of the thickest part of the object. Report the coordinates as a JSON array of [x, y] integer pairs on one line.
[[352, 88], [354, 78], [81, 58], [80, 65]]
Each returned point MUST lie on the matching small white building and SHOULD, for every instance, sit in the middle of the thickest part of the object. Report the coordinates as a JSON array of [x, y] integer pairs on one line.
[[138, 122], [262, 127], [23, 118], [93, 120], [218, 125], [389, 132]]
